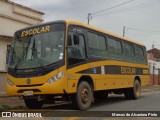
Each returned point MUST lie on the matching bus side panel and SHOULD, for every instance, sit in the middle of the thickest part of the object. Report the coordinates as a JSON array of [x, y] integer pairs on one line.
[[108, 75], [119, 81], [74, 75]]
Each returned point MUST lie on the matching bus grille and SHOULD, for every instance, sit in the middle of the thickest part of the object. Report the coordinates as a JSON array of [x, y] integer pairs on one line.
[[34, 90], [29, 85]]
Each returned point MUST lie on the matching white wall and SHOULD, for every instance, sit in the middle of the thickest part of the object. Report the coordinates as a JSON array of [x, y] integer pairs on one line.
[[3, 51], [12, 18], [18, 12], [8, 27], [154, 63]]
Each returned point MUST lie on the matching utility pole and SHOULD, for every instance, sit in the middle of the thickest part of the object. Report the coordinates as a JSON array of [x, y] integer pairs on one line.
[[89, 16], [124, 30], [153, 45]]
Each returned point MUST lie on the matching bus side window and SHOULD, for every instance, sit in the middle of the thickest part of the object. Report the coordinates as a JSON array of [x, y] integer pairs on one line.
[[76, 51], [97, 44], [81, 46], [128, 51], [140, 55], [118, 47], [111, 45], [139, 52], [125, 49], [114, 46]]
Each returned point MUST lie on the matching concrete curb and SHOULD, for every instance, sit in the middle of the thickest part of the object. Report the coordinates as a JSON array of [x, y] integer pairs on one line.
[[3, 94], [150, 88]]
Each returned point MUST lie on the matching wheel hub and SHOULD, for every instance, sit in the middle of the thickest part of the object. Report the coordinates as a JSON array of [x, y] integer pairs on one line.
[[84, 95], [137, 90]]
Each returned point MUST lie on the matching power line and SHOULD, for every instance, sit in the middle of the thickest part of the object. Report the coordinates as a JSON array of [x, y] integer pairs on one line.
[[143, 30], [140, 30], [130, 8], [112, 7], [90, 15], [125, 9]]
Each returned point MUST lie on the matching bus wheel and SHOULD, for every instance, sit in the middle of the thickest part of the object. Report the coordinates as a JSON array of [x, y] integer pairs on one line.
[[83, 98], [33, 103], [133, 93]]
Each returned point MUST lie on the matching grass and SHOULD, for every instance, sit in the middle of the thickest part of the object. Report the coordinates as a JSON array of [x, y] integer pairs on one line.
[[4, 108]]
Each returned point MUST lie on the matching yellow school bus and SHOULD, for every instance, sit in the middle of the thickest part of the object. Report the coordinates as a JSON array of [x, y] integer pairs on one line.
[[76, 61]]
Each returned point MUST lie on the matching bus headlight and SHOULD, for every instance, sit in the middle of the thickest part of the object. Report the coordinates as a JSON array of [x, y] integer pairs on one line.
[[10, 82], [56, 77]]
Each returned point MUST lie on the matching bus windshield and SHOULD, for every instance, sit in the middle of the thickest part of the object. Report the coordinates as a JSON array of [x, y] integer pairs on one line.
[[37, 47]]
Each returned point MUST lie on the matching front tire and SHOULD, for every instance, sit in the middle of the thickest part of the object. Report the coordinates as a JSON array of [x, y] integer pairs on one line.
[[33, 103], [133, 93], [83, 97]]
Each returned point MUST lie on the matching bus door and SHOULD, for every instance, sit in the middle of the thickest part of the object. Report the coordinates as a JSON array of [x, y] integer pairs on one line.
[[76, 53]]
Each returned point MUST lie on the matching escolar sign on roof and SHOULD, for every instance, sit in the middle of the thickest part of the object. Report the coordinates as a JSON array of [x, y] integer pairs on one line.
[[34, 31]]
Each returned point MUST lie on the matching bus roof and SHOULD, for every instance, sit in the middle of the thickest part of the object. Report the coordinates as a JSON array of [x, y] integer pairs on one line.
[[86, 26], [100, 30]]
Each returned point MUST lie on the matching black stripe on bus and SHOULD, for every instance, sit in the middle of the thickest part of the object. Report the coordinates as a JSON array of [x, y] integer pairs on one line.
[[114, 69]]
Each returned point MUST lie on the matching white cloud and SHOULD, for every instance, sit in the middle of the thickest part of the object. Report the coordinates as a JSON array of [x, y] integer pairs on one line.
[[143, 18]]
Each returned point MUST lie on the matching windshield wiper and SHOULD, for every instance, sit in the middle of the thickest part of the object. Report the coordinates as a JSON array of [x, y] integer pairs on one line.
[[22, 56], [19, 61], [34, 53]]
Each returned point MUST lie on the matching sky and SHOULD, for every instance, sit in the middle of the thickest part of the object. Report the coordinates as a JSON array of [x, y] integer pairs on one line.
[[141, 18]]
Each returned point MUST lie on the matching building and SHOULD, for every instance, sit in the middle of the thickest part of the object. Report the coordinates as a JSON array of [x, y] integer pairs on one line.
[[154, 54], [154, 65], [13, 16]]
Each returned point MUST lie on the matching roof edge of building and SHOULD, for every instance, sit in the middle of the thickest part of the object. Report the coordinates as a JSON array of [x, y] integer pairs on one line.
[[13, 3], [5, 36], [154, 49]]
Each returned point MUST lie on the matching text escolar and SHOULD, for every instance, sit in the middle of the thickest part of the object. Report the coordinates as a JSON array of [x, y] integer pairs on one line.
[[35, 31]]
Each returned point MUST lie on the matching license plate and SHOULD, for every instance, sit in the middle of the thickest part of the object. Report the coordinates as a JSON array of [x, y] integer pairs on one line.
[[28, 93]]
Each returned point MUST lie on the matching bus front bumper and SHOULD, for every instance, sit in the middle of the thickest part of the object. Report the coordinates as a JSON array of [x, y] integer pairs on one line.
[[55, 88]]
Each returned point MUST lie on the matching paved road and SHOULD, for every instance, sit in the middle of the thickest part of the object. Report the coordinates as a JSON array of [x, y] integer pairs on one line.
[[149, 101]]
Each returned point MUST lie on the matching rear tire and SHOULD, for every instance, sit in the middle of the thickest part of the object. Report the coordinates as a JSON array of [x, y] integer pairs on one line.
[[133, 93], [83, 98], [33, 103]]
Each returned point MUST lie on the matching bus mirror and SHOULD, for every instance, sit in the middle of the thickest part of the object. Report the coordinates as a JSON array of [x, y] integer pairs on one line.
[[76, 41], [69, 40]]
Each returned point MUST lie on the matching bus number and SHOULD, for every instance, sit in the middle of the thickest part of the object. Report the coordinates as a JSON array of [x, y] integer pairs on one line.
[[128, 70]]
